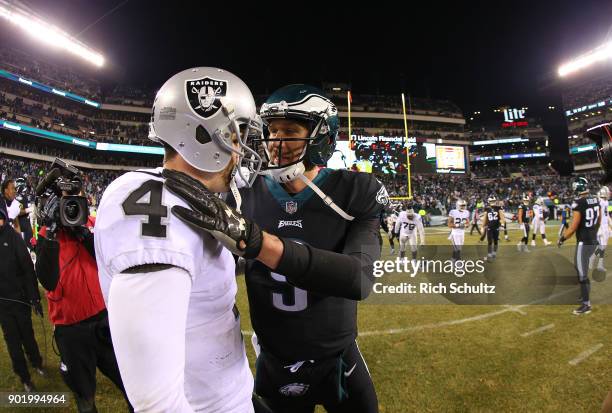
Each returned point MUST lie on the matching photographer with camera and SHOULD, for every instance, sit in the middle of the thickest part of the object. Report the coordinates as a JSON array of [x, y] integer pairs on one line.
[[18, 293], [67, 269]]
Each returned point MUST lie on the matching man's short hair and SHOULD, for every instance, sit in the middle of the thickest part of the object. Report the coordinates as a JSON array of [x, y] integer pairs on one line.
[[5, 184], [169, 152]]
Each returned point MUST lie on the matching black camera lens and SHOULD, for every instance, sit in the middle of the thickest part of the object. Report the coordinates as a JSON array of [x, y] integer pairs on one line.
[[72, 210]]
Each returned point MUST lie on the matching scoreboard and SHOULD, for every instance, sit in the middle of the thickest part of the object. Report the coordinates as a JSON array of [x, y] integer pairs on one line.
[[450, 159]]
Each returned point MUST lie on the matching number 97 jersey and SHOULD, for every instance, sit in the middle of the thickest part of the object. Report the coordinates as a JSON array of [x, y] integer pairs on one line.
[[590, 211]]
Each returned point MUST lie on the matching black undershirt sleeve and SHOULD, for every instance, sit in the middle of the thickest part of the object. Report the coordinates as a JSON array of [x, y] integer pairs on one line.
[[346, 274], [47, 263]]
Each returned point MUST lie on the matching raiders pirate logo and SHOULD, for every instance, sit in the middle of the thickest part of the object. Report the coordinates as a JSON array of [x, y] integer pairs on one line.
[[204, 95]]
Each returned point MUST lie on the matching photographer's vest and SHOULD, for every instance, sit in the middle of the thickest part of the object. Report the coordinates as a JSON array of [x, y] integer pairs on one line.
[[77, 295]]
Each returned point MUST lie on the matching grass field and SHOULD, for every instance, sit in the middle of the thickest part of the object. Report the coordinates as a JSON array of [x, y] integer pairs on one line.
[[450, 358]]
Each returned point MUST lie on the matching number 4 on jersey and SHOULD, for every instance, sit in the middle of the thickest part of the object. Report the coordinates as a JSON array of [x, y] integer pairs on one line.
[[153, 209]]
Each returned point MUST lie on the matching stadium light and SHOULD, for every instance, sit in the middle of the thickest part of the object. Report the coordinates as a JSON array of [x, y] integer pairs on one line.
[[47, 33], [599, 54]]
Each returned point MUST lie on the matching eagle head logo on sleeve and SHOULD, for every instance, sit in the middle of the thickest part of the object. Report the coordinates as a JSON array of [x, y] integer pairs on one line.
[[382, 196]]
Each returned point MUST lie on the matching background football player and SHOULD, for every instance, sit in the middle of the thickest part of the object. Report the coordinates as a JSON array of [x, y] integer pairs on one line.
[[458, 221], [311, 263], [170, 289], [408, 225], [586, 218], [475, 220], [493, 220], [538, 222], [523, 220], [392, 233], [604, 230]]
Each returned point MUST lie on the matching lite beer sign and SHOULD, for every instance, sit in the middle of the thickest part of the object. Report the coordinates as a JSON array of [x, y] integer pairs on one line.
[[513, 118]]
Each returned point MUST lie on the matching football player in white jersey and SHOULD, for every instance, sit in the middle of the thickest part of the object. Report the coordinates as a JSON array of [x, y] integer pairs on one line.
[[604, 230], [458, 221], [407, 225], [170, 289], [538, 222]]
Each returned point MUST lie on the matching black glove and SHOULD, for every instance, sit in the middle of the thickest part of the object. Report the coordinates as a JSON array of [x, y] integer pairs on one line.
[[214, 216], [37, 307], [50, 215]]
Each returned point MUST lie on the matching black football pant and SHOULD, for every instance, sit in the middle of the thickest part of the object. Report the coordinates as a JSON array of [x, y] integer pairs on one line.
[[492, 239], [525, 238], [581, 261], [19, 336], [341, 384], [83, 346]]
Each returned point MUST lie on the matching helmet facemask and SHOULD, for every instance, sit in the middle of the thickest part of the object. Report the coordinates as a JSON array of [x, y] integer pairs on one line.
[[271, 148]]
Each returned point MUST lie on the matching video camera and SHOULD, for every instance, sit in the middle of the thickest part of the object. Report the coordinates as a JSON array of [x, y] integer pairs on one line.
[[73, 209]]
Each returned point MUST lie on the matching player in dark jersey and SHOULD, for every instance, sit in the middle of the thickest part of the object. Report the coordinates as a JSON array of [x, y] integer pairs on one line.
[[493, 220], [523, 220], [586, 218], [310, 262], [565, 217]]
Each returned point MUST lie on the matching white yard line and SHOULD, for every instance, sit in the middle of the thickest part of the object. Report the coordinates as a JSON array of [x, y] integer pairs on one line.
[[538, 330], [585, 354]]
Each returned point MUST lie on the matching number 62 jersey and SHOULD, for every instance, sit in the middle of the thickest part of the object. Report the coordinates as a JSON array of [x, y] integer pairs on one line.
[[134, 227]]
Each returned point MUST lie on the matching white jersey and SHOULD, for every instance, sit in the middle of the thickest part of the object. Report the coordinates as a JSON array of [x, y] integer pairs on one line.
[[408, 227], [14, 209], [538, 213], [603, 207], [460, 219], [134, 226]]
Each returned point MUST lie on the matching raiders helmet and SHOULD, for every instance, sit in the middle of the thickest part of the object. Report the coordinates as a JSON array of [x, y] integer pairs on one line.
[[539, 201], [410, 213], [461, 205], [604, 193], [198, 111]]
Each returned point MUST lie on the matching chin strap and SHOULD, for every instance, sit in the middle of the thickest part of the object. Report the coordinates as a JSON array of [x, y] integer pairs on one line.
[[235, 192], [326, 198], [293, 172]]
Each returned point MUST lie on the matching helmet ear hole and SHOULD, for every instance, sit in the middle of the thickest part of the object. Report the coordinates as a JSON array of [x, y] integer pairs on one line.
[[202, 135]]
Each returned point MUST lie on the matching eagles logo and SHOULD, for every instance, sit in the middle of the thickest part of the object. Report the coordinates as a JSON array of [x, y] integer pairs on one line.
[[204, 95], [382, 197], [294, 389]]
